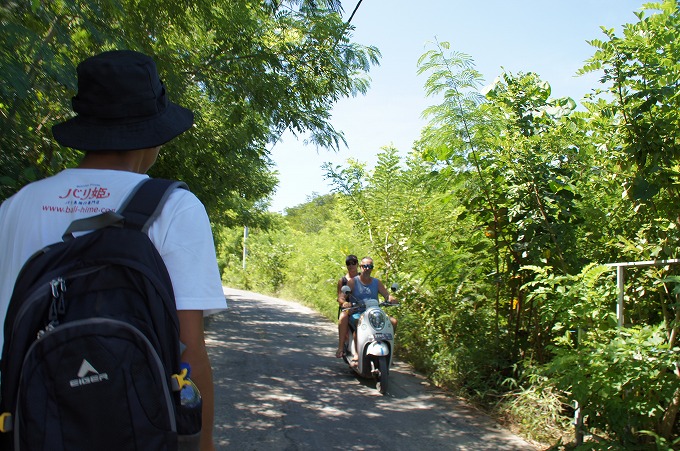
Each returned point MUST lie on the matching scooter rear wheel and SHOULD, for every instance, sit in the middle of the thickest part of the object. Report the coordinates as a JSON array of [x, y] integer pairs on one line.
[[383, 374]]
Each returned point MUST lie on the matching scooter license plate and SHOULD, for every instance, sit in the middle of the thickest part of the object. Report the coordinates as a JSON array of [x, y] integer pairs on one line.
[[382, 336]]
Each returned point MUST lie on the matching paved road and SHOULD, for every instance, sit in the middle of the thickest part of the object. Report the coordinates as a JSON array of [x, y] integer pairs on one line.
[[280, 387]]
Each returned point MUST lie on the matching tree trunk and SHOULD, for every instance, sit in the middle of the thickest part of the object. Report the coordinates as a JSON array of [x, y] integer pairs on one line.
[[668, 420]]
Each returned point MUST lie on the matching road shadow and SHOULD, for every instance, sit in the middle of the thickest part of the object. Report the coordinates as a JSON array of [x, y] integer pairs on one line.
[[279, 387]]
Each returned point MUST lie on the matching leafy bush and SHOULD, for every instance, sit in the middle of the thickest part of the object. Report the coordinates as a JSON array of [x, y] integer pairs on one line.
[[621, 378], [538, 408]]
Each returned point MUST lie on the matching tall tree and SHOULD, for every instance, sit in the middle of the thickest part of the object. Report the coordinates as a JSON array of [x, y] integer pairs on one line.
[[642, 79], [249, 69], [383, 203]]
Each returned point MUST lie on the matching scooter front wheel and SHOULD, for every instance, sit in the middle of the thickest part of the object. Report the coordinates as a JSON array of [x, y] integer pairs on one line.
[[383, 374]]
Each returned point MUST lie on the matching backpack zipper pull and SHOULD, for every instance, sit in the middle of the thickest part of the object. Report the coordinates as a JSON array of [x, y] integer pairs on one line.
[[61, 306], [58, 306]]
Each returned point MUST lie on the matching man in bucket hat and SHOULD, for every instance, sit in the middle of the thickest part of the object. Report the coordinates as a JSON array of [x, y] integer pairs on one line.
[[123, 118]]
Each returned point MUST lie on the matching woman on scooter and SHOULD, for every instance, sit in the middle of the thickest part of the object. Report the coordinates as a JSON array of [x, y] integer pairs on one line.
[[352, 263], [363, 286]]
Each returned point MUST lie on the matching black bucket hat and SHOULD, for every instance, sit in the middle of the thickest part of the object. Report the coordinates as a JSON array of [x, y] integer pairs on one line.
[[121, 105]]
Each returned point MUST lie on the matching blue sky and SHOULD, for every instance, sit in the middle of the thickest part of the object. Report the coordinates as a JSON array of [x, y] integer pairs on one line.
[[543, 36]]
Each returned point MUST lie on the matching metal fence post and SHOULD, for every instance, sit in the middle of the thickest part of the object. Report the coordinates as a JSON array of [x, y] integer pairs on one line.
[[620, 280]]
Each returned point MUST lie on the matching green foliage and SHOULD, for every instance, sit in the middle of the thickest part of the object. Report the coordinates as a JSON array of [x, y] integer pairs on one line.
[[636, 121], [539, 407], [620, 378], [498, 226], [291, 260], [250, 70], [312, 216], [265, 260], [378, 201], [568, 303], [642, 75]]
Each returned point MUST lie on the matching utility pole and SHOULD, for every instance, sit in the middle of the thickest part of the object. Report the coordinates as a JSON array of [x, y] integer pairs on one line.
[[245, 250]]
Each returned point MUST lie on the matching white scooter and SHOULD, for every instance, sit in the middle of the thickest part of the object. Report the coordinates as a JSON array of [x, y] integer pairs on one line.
[[373, 340]]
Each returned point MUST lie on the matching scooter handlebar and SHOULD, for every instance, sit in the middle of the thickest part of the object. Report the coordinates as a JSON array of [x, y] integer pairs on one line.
[[358, 306]]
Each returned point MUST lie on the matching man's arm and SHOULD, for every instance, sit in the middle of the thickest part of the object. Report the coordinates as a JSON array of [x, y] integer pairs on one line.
[[196, 355], [386, 294]]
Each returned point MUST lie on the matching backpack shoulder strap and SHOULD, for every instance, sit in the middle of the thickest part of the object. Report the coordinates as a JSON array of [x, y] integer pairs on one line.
[[145, 203]]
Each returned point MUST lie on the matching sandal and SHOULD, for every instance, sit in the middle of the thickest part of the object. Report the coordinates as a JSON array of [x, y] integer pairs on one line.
[[339, 353]]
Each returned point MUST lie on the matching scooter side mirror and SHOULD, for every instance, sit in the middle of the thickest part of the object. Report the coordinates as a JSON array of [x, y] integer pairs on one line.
[[394, 287], [345, 289]]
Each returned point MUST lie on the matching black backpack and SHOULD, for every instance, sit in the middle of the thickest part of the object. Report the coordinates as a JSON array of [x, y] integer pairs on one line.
[[91, 358]]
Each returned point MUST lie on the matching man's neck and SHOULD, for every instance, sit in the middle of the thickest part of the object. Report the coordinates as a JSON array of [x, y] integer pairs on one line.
[[365, 278], [138, 161]]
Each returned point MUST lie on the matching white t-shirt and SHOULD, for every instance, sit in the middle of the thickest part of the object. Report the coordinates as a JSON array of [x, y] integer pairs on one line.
[[39, 214]]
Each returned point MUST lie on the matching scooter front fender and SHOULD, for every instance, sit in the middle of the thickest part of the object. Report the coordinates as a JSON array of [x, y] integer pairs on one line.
[[378, 348]]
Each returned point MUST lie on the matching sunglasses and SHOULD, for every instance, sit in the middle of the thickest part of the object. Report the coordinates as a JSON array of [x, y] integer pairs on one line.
[[367, 266], [351, 263]]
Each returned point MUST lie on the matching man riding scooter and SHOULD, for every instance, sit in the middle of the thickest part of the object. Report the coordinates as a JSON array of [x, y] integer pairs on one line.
[[363, 286]]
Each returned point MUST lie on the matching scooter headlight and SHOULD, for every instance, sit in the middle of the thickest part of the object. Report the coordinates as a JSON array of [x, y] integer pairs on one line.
[[377, 319]]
